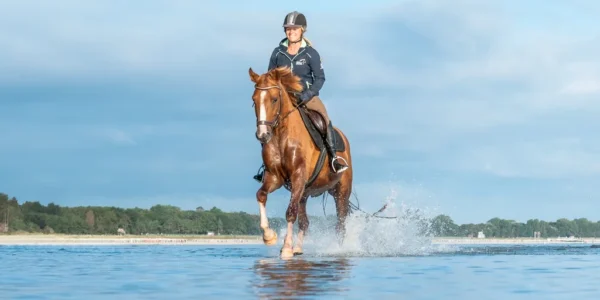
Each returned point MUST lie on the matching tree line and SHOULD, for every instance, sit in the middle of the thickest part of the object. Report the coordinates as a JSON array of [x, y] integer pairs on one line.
[[33, 217], [443, 225]]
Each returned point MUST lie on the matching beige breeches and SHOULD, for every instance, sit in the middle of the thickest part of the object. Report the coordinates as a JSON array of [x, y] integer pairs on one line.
[[316, 104]]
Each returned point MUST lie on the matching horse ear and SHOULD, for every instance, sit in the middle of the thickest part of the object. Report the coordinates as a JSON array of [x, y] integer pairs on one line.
[[253, 75]]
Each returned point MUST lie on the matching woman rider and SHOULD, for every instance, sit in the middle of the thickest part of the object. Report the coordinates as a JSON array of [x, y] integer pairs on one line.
[[296, 51]]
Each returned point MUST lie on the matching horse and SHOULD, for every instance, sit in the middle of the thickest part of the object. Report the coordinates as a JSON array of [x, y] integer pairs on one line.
[[293, 156]]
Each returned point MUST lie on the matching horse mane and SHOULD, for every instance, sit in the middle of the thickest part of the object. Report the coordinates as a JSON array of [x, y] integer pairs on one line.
[[289, 81]]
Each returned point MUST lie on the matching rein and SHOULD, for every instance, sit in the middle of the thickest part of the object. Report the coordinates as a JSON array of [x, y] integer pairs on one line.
[[273, 124], [357, 207]]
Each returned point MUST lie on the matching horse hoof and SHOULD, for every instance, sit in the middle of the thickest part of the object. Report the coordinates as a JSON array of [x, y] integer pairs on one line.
[[297, 251], [287, 253], [270, 237]]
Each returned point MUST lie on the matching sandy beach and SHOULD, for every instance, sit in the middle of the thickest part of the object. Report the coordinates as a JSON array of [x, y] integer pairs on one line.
[[126, 240], [515, 241], [55, 239]]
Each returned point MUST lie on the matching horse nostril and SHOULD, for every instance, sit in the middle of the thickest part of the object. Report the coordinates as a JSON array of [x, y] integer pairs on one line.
[[262, 135]]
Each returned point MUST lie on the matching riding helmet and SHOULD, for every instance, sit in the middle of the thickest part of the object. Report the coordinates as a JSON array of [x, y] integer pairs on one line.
[[295, 19]]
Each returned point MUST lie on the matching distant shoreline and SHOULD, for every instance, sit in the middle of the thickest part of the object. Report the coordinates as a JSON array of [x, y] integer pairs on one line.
[[516, 241], [57, 239]]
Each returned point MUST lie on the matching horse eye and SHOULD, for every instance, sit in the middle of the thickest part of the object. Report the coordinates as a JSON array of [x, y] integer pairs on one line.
[[274, 100]]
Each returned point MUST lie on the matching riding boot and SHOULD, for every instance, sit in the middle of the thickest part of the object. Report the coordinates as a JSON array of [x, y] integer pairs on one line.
[[338, 163], [259, 175]]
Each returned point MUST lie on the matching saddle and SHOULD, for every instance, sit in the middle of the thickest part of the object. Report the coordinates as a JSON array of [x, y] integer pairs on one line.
[[315, 124]]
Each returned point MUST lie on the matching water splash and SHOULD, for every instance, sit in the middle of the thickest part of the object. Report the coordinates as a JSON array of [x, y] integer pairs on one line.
[[408, 234]]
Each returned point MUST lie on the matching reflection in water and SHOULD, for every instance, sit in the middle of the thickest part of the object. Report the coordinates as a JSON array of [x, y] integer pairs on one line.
[[284, 279]]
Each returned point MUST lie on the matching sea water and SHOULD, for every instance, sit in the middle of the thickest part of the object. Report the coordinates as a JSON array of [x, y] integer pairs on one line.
[[255, 272], [381, 258]]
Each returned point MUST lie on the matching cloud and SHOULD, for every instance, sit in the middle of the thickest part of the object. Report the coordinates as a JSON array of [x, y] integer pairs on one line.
[[543, 159], [107, 40], [455, 97], [119, 137], [484, 72], [582, 87]]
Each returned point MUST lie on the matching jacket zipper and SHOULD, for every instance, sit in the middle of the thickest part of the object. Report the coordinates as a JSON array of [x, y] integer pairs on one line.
[[292, 59]]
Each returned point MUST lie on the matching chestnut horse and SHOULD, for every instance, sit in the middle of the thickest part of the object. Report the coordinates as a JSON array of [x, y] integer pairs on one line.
[[292, 159]]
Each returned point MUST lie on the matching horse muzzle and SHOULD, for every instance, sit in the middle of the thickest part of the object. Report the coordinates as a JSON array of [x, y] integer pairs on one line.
[[263, 134]]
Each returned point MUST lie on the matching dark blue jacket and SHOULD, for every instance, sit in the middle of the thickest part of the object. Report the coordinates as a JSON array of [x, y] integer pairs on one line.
[[306, 64]]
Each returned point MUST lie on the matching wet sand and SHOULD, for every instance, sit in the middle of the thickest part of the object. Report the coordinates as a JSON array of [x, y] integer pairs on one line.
[[54, 239]]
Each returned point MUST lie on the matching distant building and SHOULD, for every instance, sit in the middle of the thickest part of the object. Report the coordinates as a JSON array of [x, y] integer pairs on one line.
[[210, 233], [480, 235]]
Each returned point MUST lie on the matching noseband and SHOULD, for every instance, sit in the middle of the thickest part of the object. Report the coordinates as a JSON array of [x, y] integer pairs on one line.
[[275, 122]]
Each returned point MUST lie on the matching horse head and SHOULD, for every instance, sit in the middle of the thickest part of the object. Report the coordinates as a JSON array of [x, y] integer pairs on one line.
[[272, 102]]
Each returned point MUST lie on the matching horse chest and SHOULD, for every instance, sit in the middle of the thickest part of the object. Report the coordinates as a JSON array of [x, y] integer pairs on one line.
[[272, 157], [278, 158]]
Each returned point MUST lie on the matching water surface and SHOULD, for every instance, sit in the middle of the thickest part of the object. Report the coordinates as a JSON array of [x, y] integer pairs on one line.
[[255, 272]]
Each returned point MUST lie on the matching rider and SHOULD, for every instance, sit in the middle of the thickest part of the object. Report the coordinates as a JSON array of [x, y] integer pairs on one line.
[[297, 52]]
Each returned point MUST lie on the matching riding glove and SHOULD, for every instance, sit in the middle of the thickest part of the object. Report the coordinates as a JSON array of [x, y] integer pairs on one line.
[[305, 97]]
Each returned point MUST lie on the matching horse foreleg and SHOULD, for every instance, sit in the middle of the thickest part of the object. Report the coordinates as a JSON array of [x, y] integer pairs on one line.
[[302, 225], [270, 184], [292, 211]]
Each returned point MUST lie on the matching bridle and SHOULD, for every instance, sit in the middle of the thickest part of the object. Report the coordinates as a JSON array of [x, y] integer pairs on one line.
[[273, 124]]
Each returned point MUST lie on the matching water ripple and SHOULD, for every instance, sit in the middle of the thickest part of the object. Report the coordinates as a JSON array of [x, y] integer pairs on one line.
[[211, 272]]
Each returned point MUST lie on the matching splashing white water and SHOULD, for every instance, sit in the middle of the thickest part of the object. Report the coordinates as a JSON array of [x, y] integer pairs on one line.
[[409, 233]]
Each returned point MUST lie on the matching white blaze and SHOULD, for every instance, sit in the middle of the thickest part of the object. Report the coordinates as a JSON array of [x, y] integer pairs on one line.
[[262, 115]]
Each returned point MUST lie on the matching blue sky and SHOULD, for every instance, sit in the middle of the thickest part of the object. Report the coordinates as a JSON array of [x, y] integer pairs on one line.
[[474, 109]]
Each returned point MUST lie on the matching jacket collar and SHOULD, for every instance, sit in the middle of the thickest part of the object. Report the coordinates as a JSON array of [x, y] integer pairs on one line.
[[285, 43]]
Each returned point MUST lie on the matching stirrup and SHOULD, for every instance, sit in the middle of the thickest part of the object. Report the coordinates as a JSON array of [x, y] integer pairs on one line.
[[343, 168], [259, 175]]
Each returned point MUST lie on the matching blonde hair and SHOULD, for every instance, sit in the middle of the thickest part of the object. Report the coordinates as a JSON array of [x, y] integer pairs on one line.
[[308, 41], [305, 38]]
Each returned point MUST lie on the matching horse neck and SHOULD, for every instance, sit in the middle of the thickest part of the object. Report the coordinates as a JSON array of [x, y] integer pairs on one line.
[[287, 112]]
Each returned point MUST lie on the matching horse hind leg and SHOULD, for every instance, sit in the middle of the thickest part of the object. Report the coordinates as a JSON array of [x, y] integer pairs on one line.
[[302, 226], [341, 193]]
